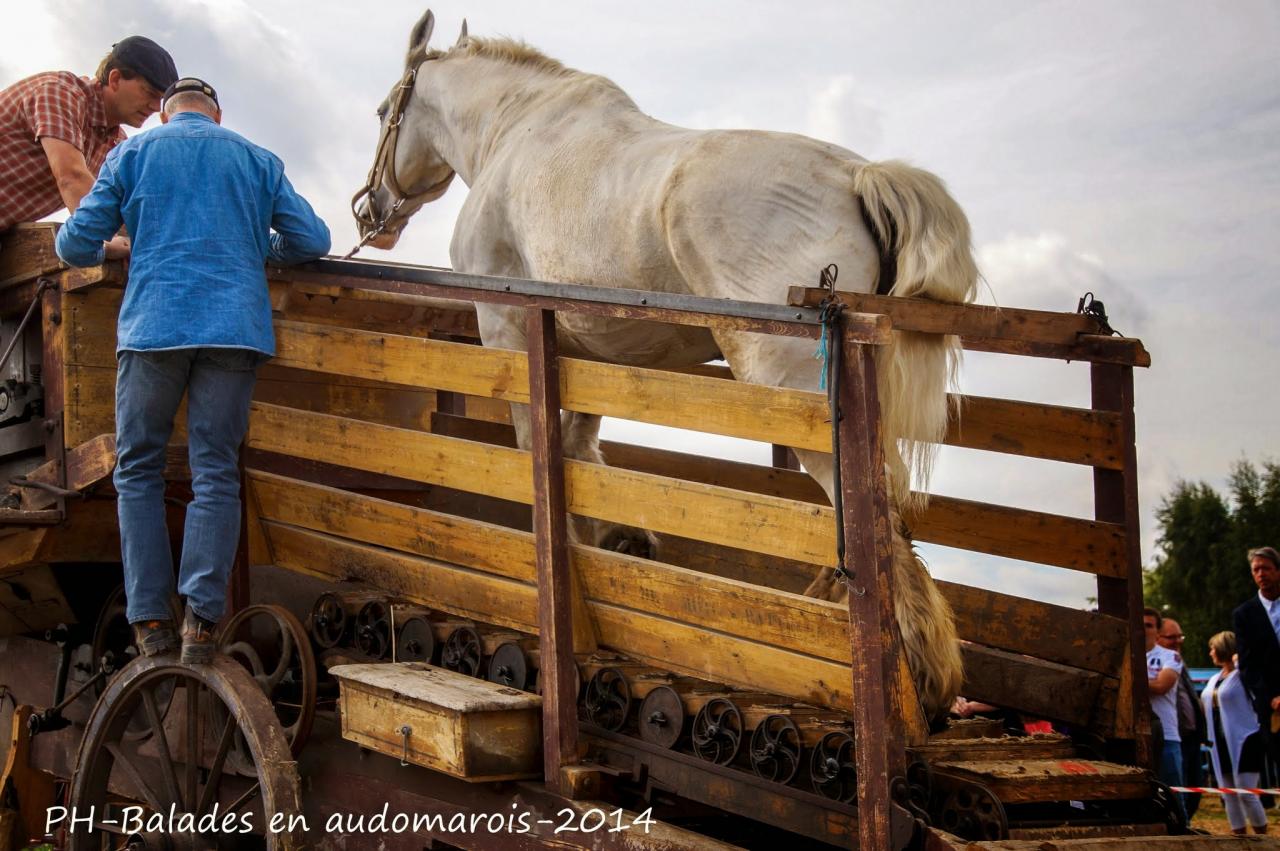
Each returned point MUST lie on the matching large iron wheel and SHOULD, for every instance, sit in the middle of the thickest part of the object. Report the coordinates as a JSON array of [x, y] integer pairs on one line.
[[274, 646], [182, 766]]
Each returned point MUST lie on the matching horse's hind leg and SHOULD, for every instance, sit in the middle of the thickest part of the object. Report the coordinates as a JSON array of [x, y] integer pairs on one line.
[[582, 442]]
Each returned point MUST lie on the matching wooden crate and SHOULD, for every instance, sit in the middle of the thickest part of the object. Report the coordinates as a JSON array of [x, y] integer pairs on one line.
[[462, 726]]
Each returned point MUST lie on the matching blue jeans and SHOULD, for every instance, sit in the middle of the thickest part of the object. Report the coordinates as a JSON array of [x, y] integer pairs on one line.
[[1171, 771], [149, 387]]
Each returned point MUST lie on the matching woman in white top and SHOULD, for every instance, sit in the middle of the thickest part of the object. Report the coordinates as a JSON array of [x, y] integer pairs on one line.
[[1236, 743]]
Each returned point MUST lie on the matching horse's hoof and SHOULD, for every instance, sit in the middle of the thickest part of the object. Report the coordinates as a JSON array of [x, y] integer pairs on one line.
[[632, 542]]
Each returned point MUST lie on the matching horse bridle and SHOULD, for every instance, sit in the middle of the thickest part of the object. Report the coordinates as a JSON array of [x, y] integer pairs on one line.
[[383, 171]]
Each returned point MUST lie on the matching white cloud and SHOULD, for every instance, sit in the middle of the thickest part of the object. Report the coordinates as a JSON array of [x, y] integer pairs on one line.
[[837, 115]]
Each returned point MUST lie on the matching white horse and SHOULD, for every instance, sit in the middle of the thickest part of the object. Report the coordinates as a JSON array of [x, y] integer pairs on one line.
[[570, 181]]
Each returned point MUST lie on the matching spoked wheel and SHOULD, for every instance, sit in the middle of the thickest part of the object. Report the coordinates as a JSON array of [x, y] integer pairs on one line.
[[373, 629], [462, 652], [832, 768], [717, 731], [608, 699], [179, 773], [775, 749], [328, 620], [275, 648]]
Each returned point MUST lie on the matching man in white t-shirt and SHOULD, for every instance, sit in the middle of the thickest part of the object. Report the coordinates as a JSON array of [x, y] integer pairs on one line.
[[1164, 666]]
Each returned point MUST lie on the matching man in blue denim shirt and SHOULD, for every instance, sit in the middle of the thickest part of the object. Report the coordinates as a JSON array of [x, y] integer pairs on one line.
[[200, 203]]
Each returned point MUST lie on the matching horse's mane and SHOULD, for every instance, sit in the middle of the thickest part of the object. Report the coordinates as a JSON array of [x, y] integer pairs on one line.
[[517, 52]]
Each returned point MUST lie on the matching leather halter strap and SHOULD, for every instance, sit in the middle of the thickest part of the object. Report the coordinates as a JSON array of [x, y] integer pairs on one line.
[[383, 172]]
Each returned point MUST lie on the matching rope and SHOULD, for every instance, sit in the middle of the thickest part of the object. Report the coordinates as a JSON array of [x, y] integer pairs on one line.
[[830, 351]]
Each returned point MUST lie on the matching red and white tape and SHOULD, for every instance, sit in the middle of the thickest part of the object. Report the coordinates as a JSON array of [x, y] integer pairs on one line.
[[1199, 790]]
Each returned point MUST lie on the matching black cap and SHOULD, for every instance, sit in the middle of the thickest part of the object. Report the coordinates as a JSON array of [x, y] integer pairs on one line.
[[190, 84], [142, 55]]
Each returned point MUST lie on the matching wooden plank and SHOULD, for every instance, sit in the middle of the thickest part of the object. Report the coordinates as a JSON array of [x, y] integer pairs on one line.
[[867, 559], [1051, 432], [1085, 545], [27, 253], [679, 647], [772, 415], [1026, 781], [780, 527], [1038, 688], [392, 313], [985, 328], [563, 622], [1094, 642], [1115, 494]]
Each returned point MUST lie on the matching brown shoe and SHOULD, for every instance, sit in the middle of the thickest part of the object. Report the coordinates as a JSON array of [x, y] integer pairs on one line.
[[199, 641], [155, 638]]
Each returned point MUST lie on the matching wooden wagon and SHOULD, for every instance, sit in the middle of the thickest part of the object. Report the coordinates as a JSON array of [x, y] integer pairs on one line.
[[474, 661]]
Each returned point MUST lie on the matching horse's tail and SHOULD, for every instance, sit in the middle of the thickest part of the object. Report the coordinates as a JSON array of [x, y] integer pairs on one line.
[[925, 238]]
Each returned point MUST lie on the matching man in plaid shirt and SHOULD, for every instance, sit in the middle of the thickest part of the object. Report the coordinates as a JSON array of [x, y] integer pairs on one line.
[[56, 129]]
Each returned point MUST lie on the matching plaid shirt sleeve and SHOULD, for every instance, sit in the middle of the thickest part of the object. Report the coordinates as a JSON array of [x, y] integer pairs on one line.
[[57, 109]]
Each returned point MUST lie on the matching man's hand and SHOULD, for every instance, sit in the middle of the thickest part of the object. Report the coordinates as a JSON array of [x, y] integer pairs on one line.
[[117, 248], [69, 170], [1275, 703]]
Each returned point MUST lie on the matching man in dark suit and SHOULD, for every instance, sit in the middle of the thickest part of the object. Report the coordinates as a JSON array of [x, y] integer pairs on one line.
[[1257, 628]]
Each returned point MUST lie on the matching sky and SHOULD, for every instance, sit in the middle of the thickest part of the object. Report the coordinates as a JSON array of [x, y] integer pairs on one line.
[[1128, 149]]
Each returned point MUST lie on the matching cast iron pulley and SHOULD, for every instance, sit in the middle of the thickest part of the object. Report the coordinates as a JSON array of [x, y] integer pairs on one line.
[[509, 667], [462, 652], [607, 701], [272, 644], [662, 717], [416, 641], [832, 768], [971, 811], [717, 731], [328, 620], [776, 749], [373, 629]]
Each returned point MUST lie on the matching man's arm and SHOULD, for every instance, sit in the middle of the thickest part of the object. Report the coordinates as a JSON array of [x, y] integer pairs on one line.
[[300, 234], [69, 170], [1167, 679], [80, 240], [1250, 671]]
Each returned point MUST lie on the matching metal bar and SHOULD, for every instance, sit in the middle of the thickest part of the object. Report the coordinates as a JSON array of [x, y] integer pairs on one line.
[[878, 714], [1115, 495], [44, 284], [555, 605], [613, 302]]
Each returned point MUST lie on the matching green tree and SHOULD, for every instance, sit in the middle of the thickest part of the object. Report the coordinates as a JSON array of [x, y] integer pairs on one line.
[[1200, 574]]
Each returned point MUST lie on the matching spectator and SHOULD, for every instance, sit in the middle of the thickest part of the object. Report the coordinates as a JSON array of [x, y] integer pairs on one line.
[[1236, 746], [1257, 629], [1164, 667], [1192, 729]]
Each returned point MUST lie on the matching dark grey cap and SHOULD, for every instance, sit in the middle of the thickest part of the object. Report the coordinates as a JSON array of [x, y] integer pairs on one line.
[[190, 84], [142, 55]]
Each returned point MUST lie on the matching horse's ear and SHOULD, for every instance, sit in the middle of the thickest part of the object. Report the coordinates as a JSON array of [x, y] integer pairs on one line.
[[421, 33], [462, 36]]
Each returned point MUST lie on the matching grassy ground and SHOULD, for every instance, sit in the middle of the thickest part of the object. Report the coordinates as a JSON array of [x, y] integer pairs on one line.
[[1212, 817]]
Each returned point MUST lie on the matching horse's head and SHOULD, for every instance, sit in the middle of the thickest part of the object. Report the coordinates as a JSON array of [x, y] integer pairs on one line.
[[408, 167]]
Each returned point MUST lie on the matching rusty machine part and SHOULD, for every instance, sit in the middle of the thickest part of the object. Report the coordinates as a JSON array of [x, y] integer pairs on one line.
[[662, 717], [607, 699], [462, 652], [373, 629], [833, 770], [776, 749], [510, 667], [273, 646], [969, 810], [329, 622], [183, 762], [416, 641], [717, 731]]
